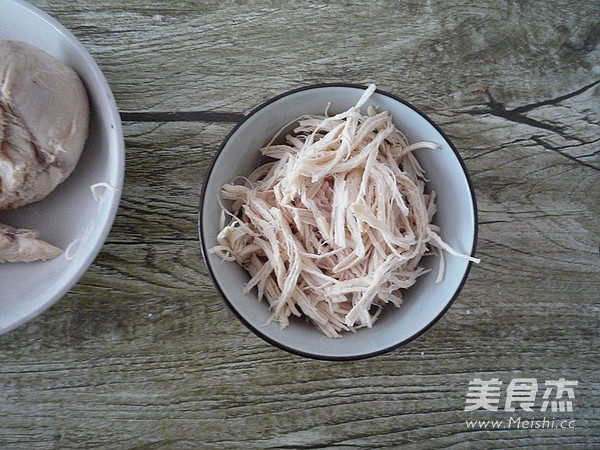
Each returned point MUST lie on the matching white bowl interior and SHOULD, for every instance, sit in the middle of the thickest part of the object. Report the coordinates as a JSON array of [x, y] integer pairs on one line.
[[70, 213], [423, 303]]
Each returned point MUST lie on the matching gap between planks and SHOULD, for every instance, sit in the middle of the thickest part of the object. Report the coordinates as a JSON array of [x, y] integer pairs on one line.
[[182, 116]]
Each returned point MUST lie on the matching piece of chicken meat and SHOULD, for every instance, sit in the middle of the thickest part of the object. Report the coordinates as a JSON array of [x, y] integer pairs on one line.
[[44, 118], [44, 114], [20, 245]]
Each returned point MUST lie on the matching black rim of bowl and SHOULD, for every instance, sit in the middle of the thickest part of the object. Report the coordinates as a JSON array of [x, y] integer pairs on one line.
[[256, 331]]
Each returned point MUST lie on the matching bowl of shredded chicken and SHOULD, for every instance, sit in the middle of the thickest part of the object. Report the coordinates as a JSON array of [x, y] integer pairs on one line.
[[61, 162], [338, 221]]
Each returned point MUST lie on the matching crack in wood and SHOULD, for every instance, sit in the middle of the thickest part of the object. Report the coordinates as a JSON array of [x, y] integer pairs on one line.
[[517, 115], [560, 150], [554, 101], [498, 109]]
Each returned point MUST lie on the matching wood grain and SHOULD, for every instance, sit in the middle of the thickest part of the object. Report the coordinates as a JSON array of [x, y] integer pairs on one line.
[[142, 352]]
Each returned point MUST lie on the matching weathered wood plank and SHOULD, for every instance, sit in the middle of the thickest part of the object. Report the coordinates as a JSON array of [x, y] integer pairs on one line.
[[144, 352], [232, 55]]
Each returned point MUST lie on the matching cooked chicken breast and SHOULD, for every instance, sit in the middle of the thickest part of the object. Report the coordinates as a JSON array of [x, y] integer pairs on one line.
[[20, 245], [44, 114]]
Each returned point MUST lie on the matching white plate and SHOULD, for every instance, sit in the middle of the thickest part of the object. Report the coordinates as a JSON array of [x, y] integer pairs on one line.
[[70, 213]]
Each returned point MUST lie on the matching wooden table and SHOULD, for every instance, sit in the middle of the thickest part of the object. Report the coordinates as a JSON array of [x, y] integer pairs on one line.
[[143, 353]]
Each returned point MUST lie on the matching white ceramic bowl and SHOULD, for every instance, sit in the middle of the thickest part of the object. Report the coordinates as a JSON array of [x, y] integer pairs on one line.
[[424, 303], [70, 213]]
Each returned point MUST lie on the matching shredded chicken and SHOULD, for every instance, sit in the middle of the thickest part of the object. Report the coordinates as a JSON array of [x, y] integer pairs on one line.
[[99, 190], [335, 226]]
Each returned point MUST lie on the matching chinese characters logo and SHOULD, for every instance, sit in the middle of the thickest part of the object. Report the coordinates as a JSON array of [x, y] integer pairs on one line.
[[557, 396]]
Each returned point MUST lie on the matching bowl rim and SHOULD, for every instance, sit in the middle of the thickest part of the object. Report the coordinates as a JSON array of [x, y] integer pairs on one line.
[[203, 239], [116, 134]]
